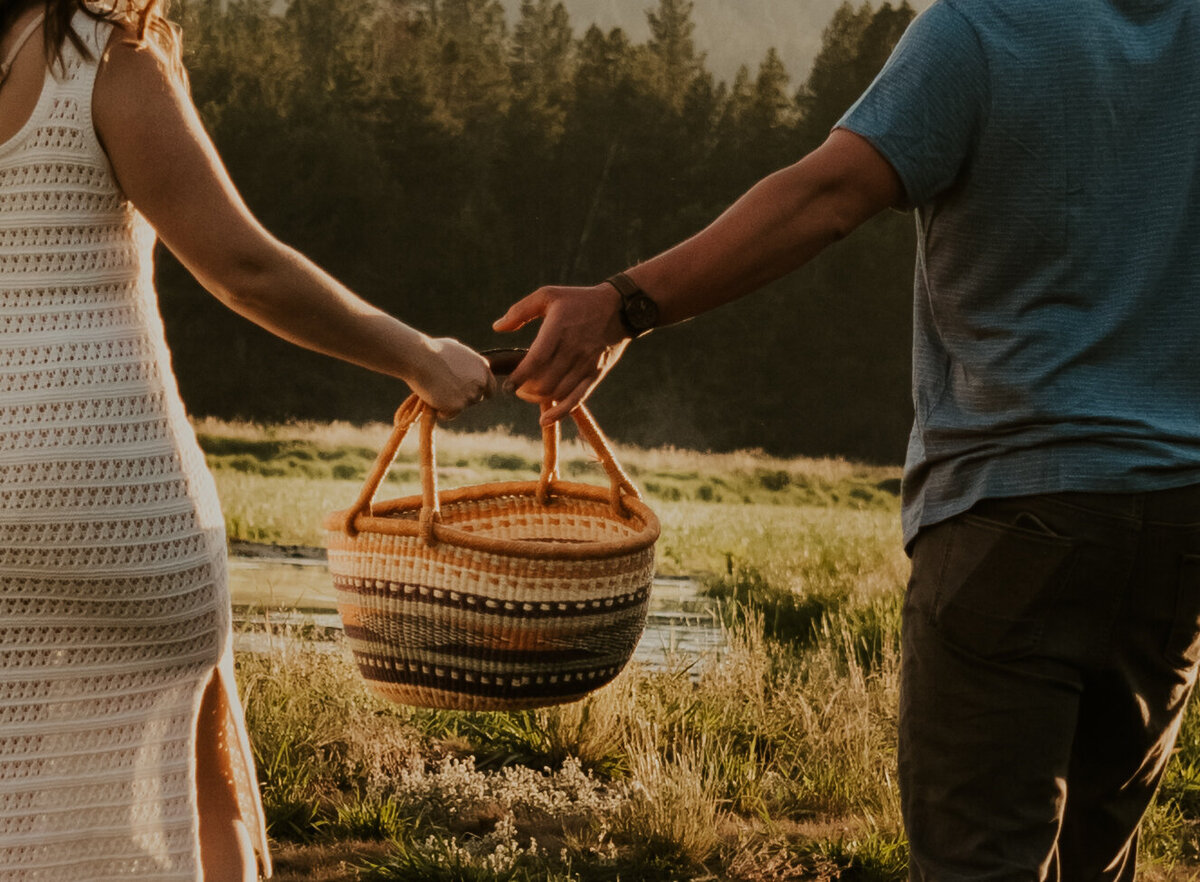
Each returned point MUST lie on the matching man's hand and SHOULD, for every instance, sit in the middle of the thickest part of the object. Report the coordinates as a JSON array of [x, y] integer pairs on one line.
[[580, 339]]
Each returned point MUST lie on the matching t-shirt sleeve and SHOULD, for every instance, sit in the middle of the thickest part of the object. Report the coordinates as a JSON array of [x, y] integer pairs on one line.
[[924, 111]]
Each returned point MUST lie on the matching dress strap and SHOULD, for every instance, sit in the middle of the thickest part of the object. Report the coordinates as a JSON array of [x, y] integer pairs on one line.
[[7, 63]]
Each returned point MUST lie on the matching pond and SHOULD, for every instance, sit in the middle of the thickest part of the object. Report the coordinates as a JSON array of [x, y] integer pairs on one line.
[[278, 599]]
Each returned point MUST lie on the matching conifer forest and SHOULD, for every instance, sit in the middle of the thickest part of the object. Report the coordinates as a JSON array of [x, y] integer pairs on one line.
[[444, 158]]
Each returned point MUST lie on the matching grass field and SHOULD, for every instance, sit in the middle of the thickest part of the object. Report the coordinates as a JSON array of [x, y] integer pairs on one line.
[[776, 763]]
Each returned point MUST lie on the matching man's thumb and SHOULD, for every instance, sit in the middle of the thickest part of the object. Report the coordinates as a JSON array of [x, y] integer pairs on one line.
[[521, 313]]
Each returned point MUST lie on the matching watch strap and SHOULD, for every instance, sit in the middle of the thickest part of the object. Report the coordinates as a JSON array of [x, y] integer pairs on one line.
[[630, 291], [625, 286]]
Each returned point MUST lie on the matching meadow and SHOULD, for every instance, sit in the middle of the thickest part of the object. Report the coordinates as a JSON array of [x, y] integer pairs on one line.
[[774, 761]]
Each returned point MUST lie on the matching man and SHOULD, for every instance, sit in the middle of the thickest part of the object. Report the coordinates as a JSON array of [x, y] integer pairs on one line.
[[1051, 151]]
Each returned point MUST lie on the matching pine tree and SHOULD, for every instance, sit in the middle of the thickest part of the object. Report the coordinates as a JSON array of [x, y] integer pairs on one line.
[[542, 53], [673, 61], [854, 47], [463, 50], [528, 172]]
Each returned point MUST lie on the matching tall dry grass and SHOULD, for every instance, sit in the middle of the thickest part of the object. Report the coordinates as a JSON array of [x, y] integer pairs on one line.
[[774, 762]]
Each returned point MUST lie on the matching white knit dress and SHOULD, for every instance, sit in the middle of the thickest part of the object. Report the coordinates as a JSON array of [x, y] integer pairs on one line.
[[114, 606]]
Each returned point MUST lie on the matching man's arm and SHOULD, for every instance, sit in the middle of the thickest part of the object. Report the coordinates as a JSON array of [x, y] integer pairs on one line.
[[778, 225]]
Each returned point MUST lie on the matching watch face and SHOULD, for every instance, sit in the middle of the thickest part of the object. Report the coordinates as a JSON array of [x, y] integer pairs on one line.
[[641, 311]]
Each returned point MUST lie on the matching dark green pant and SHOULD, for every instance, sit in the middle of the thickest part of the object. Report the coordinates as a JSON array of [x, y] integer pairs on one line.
[[1050, 645]]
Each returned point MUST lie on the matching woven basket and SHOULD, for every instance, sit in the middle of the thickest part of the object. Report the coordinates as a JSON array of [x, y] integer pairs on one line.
[[496, 596]]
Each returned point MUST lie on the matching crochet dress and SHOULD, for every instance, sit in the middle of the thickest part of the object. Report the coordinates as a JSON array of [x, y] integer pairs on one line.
[[114, 605]]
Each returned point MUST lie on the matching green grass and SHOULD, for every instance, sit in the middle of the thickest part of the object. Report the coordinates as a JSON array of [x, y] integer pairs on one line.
[[776, 762], [278, 482]]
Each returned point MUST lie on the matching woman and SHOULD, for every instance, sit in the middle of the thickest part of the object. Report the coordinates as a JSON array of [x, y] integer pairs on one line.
[[122, 748]]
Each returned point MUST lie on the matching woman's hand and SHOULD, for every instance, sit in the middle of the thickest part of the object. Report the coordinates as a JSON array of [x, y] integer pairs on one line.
[[449, 376]]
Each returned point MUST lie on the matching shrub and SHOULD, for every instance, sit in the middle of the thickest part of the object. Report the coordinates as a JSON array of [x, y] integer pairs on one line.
[[773, 479], [510, 462], [785, 615]]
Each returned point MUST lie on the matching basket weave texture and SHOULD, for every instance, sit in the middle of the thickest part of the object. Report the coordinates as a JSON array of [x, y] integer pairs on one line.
[[496, 596]]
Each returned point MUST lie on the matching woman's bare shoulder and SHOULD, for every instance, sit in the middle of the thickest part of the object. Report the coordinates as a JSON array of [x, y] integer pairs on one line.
[[130, 69]]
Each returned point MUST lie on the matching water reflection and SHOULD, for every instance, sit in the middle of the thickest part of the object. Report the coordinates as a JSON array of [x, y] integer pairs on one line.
[[278, 600]]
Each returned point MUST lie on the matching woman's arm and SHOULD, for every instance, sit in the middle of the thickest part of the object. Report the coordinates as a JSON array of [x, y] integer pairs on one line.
[[168, 168], [779, 224]]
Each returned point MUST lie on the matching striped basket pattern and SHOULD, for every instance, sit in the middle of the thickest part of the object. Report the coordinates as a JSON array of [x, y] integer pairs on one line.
[[497, 596]]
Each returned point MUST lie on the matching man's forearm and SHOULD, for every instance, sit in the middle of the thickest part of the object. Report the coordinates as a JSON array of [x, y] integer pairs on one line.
[[781, 223]]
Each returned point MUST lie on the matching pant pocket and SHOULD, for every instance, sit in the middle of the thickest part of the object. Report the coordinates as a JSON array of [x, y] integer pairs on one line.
[[1183, 641], [998, 582]]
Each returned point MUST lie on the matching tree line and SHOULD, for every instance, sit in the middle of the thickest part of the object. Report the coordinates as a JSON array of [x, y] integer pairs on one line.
[[443, 161]]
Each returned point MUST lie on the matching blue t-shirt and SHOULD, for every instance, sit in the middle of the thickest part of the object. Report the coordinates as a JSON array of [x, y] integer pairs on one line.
[[1051, 149]]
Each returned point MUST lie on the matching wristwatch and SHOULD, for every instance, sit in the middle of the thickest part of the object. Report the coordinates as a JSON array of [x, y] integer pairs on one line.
[[639, 314]]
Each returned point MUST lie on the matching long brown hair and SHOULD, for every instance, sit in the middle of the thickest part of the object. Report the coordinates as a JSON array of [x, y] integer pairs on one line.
[[146, 19]]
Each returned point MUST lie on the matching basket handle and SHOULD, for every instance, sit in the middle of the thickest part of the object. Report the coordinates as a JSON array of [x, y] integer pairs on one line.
[[406, 415], [413, 409], [503, 362]]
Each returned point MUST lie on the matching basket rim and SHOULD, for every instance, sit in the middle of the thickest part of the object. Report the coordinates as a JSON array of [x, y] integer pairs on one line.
[[379, 523]]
